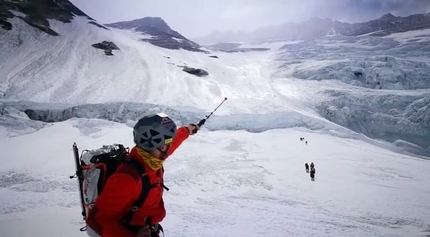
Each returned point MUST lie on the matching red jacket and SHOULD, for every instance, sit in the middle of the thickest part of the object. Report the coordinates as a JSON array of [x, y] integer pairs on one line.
[[122, 189]]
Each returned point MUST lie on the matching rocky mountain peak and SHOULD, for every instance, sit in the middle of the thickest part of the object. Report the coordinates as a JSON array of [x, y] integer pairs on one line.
[[387, 16], [37, 12], [159, 31]]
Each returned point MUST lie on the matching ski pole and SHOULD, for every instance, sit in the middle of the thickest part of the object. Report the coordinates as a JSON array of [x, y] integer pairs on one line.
[[203, 121]]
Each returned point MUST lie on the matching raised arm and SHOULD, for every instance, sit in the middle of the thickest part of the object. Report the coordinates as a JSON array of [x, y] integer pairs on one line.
[[181, 135]]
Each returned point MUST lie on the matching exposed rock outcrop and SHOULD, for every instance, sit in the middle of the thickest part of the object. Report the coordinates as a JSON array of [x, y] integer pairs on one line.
[[107, 46], [195, 71]]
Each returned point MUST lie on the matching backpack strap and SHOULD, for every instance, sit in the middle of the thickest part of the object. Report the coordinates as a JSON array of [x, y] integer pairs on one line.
[[146, 187]]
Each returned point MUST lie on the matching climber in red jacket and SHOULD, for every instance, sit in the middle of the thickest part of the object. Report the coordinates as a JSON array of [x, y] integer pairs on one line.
[[156, 138]]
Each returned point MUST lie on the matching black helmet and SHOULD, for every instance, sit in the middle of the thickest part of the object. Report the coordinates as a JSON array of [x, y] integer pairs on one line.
[[153, 131]]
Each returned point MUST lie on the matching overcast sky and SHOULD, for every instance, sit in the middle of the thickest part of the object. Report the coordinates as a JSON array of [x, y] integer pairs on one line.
[[194, 18]]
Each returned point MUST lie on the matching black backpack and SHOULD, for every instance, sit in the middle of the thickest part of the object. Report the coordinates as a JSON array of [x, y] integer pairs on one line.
[[94, 167]]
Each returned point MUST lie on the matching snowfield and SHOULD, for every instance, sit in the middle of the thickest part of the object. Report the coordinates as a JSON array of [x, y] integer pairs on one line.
[[229, 183], [362, 103]]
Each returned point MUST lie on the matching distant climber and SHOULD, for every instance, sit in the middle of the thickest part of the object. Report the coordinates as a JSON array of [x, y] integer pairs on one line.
[[307, 167], [312, 165], [312, 174], [306, 142]]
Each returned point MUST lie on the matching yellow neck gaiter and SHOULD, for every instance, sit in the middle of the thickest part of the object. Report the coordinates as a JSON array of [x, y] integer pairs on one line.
[[153, 162]]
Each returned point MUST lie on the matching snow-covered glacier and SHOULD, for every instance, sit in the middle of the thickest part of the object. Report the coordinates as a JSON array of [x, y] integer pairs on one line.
[[378, 86]]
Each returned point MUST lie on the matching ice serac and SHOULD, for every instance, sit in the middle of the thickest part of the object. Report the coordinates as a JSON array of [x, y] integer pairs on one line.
[[377, 86]]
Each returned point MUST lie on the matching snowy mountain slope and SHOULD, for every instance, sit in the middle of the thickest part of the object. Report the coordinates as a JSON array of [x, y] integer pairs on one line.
[[238, 178], [74, 72]]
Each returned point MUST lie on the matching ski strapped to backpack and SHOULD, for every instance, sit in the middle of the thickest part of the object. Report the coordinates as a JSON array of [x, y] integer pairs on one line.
[[94, 167]]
